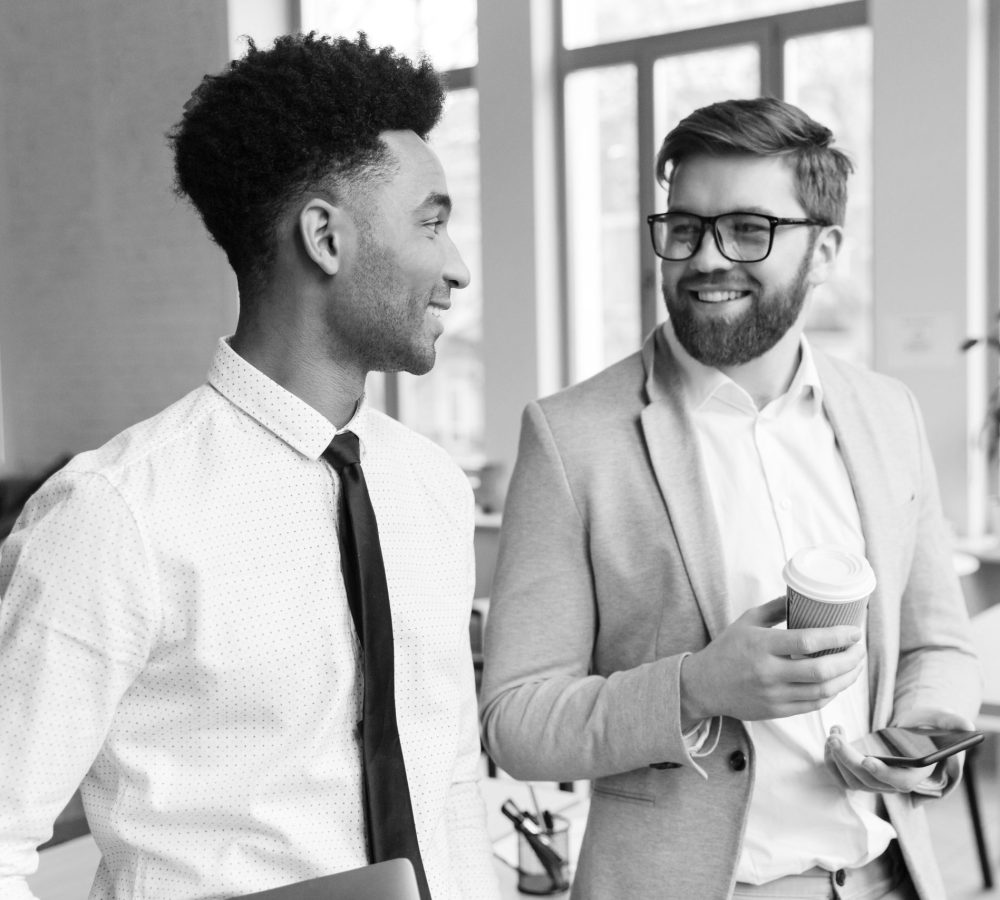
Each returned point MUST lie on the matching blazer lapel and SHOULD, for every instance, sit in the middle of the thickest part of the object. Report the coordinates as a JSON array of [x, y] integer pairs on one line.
[[858, 441], [674, 456]]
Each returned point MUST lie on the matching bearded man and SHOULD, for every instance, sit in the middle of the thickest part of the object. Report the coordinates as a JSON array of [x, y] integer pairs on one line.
[[633, 639]]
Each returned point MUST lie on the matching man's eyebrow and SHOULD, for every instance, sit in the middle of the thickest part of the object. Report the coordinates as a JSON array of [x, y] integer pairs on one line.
[[434, 200]]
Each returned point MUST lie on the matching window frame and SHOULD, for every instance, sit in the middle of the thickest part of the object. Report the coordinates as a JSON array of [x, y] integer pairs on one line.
[[769, 33]]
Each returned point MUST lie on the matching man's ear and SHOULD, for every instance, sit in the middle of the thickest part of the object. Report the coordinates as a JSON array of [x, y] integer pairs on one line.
[[825, 252], [321, 227]]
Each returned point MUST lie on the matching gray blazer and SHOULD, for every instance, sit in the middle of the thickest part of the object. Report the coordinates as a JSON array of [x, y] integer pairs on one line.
[[609, 572]]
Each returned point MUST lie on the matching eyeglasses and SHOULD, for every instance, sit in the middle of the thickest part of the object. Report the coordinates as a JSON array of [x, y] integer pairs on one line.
[[740, 236]]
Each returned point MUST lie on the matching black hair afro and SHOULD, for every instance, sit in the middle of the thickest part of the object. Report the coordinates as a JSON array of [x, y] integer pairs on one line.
[[307, 111]]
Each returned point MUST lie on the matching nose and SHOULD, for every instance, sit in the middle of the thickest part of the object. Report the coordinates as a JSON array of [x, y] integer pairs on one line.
[[456, 272], [708, 257]]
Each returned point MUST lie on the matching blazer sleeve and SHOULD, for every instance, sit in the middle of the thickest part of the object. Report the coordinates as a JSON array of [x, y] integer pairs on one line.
[[545, 714], [938, 666]]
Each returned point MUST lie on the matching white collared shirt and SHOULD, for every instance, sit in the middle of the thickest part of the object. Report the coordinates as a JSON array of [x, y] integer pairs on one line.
[[778, 483], [174, 632]]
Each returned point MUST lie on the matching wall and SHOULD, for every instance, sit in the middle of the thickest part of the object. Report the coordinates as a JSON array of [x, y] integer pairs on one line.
[[111, 294]]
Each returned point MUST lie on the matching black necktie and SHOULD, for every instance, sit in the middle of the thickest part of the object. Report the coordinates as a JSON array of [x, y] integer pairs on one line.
[[388, 812]]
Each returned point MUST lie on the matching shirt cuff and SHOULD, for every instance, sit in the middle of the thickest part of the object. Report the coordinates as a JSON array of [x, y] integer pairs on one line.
[[696, 738], [935, 784]]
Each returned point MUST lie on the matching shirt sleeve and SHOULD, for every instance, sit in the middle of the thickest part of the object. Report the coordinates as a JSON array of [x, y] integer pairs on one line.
[[74, 631], [471, 851]]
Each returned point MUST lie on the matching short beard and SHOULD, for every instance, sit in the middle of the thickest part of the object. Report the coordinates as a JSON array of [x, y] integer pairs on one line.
[[736, 341]]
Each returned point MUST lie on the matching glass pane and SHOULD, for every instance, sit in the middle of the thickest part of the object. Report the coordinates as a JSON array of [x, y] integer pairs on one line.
[[602, 217], [684, 83], [830, 76], [587, 22], [446, 404], [443, 29]]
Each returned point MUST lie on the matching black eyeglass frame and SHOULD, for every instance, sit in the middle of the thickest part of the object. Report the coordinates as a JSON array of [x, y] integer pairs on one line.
[[710, 222]]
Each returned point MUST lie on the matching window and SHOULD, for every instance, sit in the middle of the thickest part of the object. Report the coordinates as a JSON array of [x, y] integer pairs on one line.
[[604, 21], [601, 164], [446, 405], [631, 70], [443, 29]]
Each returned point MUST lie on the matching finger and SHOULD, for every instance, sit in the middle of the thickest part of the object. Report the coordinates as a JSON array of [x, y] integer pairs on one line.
[[818, 669], [767, 614], [853, 766], [839, 772], [797, 642], [874, 774], [902, 779], [854, 779]]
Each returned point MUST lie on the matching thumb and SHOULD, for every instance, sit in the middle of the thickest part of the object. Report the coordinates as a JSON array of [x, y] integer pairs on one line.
[[767, 614]]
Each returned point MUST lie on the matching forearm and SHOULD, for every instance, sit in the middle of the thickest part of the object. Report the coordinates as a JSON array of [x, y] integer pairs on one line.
[[48, 690], [74, 631], [566, 727]]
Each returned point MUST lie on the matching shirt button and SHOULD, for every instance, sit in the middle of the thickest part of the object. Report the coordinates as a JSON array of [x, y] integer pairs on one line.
[[840, 877], [737, 761]]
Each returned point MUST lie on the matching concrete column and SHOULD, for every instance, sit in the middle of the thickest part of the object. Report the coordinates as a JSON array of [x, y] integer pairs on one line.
[[929, 220], [516, 81]]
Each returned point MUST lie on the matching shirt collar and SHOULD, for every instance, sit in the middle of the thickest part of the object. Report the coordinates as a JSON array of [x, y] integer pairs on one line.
[[281, 412], [701, 382]]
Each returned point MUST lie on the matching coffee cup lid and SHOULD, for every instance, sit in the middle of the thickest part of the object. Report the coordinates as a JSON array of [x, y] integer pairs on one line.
[[828, 572]]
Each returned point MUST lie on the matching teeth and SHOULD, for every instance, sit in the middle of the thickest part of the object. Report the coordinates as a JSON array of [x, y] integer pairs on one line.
[[718, 296], [435, 311]]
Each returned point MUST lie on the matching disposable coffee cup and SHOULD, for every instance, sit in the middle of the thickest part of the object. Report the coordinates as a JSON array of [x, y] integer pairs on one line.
[[827, 585]]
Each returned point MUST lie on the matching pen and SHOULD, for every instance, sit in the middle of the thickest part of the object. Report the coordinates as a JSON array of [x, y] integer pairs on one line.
[[534, 803], [539, 842]]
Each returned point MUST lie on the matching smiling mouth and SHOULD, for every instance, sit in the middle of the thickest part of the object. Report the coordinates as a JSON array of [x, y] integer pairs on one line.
[[718, 296]]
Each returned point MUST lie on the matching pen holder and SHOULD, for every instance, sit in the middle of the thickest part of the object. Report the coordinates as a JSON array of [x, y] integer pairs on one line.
[[532, 876]]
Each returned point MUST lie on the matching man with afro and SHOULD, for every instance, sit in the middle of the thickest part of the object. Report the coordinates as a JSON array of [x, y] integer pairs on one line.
[[177, 634]]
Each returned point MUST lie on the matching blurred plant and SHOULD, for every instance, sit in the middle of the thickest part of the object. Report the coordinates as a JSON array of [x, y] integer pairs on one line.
[[991, 421]]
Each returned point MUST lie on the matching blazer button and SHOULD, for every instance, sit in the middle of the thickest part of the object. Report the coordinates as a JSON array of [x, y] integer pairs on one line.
[[737, 761], [840, 877]]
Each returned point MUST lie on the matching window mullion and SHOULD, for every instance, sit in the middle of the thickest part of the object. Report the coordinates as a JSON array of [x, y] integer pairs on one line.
[[647, 191], [772, 62]]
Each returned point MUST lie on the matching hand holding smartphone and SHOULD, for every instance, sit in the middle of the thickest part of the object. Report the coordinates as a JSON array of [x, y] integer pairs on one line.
[[916, 746]]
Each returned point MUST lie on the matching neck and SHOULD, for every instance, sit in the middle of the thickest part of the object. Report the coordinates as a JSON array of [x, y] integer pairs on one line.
[[293, 355], [768, 377]]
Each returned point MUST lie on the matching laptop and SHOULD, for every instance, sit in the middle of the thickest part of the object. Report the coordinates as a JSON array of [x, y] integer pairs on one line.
[[390, 880]]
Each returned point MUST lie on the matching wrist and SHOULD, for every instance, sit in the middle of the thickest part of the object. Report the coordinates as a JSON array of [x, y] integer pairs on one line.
[[693, 709]]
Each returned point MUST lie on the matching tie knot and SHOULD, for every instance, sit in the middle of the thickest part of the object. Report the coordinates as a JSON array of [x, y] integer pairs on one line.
[[343, 451]]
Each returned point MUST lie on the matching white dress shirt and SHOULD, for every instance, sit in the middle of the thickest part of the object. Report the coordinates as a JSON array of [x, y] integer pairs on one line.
[[174, 633], [778, 483]]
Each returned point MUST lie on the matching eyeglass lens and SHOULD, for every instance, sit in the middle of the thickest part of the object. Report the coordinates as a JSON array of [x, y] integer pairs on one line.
[[741, 237]]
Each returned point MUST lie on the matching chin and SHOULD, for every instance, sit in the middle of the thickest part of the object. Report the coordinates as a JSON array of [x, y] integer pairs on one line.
[[420, 363]]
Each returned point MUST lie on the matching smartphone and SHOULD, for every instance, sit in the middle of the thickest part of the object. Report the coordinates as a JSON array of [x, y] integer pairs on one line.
[[916, 746]]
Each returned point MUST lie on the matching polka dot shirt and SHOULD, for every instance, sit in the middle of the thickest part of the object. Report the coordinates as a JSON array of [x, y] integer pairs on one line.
[[175, 634]]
